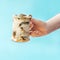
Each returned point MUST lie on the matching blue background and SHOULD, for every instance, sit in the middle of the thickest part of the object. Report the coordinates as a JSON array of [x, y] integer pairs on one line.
[[40, 48]]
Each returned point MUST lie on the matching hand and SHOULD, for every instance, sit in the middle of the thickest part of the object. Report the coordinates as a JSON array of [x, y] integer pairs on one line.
[[37, 28]]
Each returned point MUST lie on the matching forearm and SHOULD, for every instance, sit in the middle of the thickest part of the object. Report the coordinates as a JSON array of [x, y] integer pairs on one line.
[[53, 23]]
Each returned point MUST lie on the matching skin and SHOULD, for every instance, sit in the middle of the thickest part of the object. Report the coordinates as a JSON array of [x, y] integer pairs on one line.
[[39, 28]]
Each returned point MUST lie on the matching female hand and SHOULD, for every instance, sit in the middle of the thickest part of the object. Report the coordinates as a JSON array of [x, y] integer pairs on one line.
[[37, 28]]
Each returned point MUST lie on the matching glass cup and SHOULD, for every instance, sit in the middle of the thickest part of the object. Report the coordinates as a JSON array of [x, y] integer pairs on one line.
[[21, 26]]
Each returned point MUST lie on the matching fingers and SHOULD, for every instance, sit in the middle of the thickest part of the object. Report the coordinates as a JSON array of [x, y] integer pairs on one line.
[[37, 28], [35, 33], [31, 25], [33, 30]]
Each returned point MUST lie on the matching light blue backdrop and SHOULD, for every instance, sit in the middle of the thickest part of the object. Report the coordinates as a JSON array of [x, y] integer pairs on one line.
[[41, 48]]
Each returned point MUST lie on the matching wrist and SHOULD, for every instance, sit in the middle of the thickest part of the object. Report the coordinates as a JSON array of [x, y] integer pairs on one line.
[[44, 29]]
